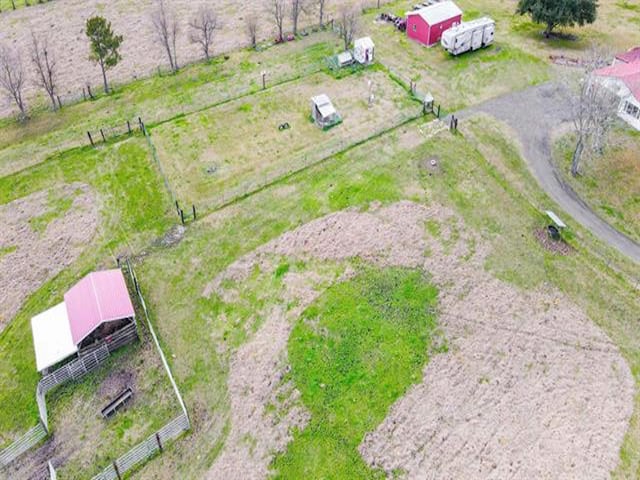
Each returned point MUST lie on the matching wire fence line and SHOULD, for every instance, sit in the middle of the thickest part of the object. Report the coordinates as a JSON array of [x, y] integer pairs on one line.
[[303, 162]]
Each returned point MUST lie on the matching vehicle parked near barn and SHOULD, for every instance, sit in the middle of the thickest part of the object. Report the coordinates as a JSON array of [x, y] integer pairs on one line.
[[469, 36]]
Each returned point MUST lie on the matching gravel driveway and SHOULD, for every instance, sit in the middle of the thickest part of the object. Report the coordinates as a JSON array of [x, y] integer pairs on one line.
[[535, 114]]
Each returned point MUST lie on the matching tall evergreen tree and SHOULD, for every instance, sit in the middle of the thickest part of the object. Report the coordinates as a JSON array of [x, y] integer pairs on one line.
[[559, 13], [104, 45]]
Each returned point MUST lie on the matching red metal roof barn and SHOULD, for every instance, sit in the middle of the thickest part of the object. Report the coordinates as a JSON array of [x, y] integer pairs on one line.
[[96, 308], [427, 24]]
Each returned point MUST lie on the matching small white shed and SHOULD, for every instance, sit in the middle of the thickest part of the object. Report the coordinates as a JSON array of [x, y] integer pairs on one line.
[[364, 50], [323, 112]]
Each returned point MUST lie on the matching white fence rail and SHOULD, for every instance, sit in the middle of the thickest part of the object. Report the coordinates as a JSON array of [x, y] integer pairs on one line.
[[74, 370], [24, 443], [146, 449]]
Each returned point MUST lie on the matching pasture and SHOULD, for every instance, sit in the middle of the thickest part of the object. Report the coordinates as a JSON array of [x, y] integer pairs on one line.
[[334, 280], [221, 153]]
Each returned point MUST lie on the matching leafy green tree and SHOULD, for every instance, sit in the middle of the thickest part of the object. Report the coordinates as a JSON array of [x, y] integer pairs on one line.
[[559, 13], [104, 45]]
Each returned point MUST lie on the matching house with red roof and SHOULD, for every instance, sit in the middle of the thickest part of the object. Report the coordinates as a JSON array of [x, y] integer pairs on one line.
[[93, 311], [623, 78], [630, 56]]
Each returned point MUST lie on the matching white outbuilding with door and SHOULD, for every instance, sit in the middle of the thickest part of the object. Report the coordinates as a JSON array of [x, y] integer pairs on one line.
[[364, 50]]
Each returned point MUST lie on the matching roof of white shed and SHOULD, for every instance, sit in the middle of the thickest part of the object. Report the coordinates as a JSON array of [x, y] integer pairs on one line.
[[364, 42], [52, 338]]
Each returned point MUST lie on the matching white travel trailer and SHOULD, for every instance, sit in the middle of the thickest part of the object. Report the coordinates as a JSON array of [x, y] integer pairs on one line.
[[469, 36]]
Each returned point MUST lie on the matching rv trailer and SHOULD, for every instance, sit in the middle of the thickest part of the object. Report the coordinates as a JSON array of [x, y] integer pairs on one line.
[[469, 36]]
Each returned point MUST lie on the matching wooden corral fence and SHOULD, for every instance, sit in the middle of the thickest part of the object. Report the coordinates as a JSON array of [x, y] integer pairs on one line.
[[154, 444]]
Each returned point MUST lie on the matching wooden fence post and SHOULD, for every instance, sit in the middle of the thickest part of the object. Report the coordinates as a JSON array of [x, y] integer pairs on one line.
[[438, 110], [159, 442], [129, 127], [103, 137], [194, 211], [91, 139], [177, 207], [115, 467], [182, 216]]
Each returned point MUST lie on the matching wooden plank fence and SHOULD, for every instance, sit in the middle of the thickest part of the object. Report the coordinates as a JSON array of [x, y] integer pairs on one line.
[[24, 443]]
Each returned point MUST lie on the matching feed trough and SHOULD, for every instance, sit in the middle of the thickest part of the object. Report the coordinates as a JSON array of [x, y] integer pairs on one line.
[[120, 401]]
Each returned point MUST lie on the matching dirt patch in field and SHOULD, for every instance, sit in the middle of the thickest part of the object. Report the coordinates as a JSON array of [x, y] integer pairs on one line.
[[559, 247], [41, 235], [64, 22], [529, 388]]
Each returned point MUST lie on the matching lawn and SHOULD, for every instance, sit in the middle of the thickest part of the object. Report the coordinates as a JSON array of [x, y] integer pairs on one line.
[[457, 82], [133, 210], [353, 353], [609, 183], [195, 125], [159, 98], [221, 153], [474, 185]]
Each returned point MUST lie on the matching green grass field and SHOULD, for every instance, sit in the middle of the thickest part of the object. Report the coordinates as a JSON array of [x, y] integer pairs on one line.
[[223, 152], [128, 224], [610, 182], [158, 99], [196, 120], [353, 353]]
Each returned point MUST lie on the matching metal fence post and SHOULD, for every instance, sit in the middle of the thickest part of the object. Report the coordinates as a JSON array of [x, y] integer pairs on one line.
[[159, 442]]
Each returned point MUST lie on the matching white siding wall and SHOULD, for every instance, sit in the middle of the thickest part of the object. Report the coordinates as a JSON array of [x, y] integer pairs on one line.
[[629, 111]]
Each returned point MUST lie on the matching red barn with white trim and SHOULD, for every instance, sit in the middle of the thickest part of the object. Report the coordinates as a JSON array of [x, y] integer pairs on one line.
[[427, 24]]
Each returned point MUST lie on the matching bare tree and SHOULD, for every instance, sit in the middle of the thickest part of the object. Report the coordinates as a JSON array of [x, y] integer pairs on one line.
[[12, 78], [348, 24], [203, 26], [46, 67], [594, 108], [297, 7], [166, 27], [322, 4], [278, 10], [251, 22]]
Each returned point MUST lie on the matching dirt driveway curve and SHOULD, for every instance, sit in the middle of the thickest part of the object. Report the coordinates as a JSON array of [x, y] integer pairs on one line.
[[535, 113]]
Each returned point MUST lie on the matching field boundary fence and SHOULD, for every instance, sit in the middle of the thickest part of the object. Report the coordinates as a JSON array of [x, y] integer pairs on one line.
[[106, 133], [154, 444]]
